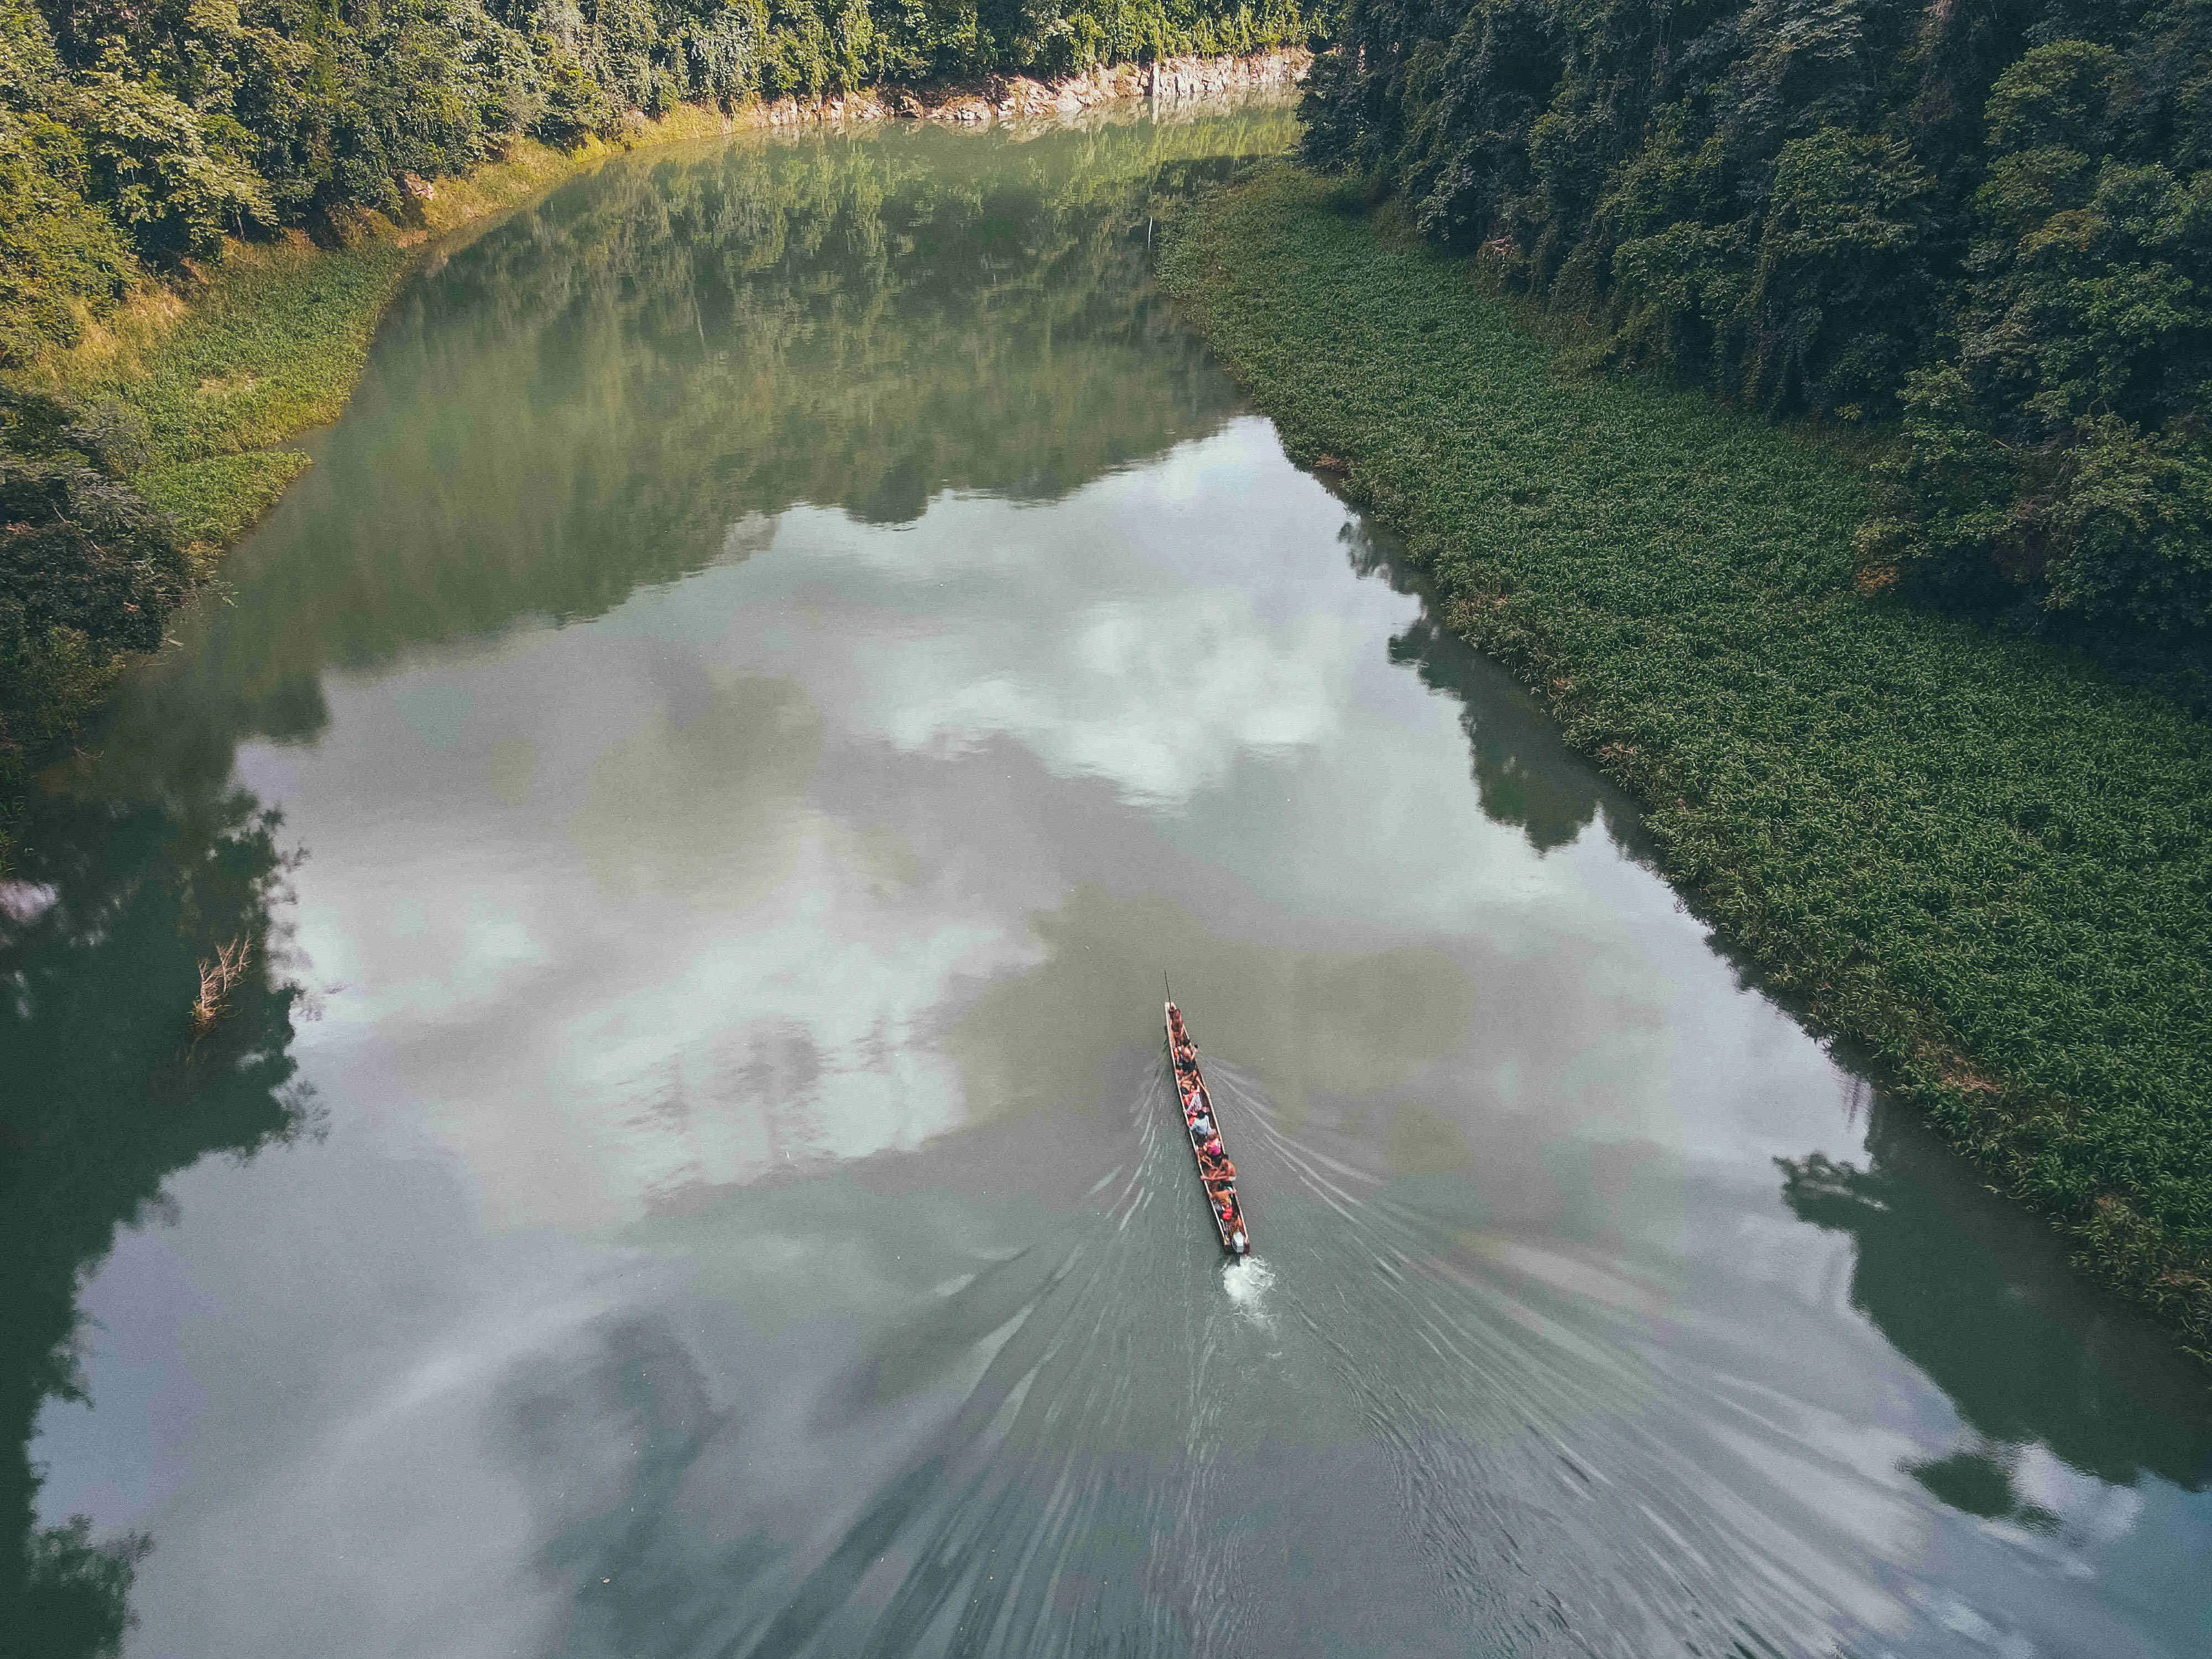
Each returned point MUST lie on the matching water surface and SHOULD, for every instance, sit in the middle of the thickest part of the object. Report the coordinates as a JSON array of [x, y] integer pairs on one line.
[[790, 644]]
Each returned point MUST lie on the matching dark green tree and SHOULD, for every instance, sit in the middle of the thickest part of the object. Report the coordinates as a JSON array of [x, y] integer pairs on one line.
[[1985, 222]]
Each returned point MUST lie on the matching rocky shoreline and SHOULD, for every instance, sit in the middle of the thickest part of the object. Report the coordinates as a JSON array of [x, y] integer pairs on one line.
[[1018, 97]]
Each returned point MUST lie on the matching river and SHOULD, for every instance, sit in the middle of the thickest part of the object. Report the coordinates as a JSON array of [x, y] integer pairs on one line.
[[791, 643]]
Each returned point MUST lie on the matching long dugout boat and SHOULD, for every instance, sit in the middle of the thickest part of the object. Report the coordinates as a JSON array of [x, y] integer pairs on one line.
[[1215, 1172]]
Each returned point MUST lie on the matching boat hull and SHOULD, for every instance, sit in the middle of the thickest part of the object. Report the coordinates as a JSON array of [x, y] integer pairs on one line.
[[1217, 1175]]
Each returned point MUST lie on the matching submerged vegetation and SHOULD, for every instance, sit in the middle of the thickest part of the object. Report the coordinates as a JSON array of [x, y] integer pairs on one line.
[[1987, 228], [1969, 852]]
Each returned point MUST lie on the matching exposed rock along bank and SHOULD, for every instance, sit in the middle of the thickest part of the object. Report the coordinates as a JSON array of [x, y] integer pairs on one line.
[[1010, 98]]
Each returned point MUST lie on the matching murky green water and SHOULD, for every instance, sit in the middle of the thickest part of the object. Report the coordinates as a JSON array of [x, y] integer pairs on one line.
[[789, 645]]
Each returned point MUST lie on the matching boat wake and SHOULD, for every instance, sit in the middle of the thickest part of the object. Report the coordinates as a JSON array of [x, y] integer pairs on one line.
[[1247, 1281], [1090, 1443]]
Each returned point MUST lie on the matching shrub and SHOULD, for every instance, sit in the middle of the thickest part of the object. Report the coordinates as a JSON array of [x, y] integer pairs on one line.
[[149, 162]]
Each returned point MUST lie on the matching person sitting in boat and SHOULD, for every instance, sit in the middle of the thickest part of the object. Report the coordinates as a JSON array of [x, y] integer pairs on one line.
[[1212, 1147]]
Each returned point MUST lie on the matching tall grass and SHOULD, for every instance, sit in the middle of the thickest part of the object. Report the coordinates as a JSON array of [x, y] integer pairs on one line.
[[270, 341], [1971, 855]]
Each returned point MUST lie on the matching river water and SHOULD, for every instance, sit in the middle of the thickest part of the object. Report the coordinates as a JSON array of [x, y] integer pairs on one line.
[[790, 644]]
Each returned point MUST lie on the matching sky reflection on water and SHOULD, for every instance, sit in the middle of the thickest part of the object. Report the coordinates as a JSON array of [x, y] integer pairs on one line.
[[763, 705]]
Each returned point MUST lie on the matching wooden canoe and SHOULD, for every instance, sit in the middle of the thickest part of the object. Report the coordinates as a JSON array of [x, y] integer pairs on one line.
[[1217, 1175]]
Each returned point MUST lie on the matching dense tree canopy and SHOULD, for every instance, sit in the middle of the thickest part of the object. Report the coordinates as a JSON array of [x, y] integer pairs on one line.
[[1988, 221], [88, 571]]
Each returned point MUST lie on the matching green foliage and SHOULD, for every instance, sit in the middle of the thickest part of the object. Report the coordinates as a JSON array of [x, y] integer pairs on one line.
[[273, 343], [148, 161], [160, 130], [1966, 850], [100, 499], [61, 258], [1993, 221], [213, 502], [88, 570]]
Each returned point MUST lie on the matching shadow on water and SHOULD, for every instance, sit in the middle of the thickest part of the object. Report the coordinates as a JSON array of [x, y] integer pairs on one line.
[[103, 929], [1981, 1297]]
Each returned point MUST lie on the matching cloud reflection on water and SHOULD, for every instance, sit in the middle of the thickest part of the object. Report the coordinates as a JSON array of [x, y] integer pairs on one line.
[[763, 711]]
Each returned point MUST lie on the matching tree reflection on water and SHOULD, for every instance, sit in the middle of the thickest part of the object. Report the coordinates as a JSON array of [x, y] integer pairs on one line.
[[1971, 1288], [583, 402], [1524, 772], [1980, 1296], [631, 380], [112, 908]]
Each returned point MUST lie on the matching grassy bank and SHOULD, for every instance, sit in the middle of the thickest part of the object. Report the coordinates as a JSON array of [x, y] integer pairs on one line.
[[1971, 855], [270, 342]]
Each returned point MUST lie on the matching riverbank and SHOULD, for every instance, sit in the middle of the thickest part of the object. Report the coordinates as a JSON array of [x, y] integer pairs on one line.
[[269, 341], [215, 378], [1974, 858]]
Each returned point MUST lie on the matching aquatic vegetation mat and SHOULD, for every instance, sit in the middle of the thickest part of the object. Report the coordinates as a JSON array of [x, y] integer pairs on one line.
[[1974, 855]]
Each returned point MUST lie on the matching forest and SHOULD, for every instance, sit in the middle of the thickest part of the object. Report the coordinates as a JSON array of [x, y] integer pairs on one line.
[[1979, 230]]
